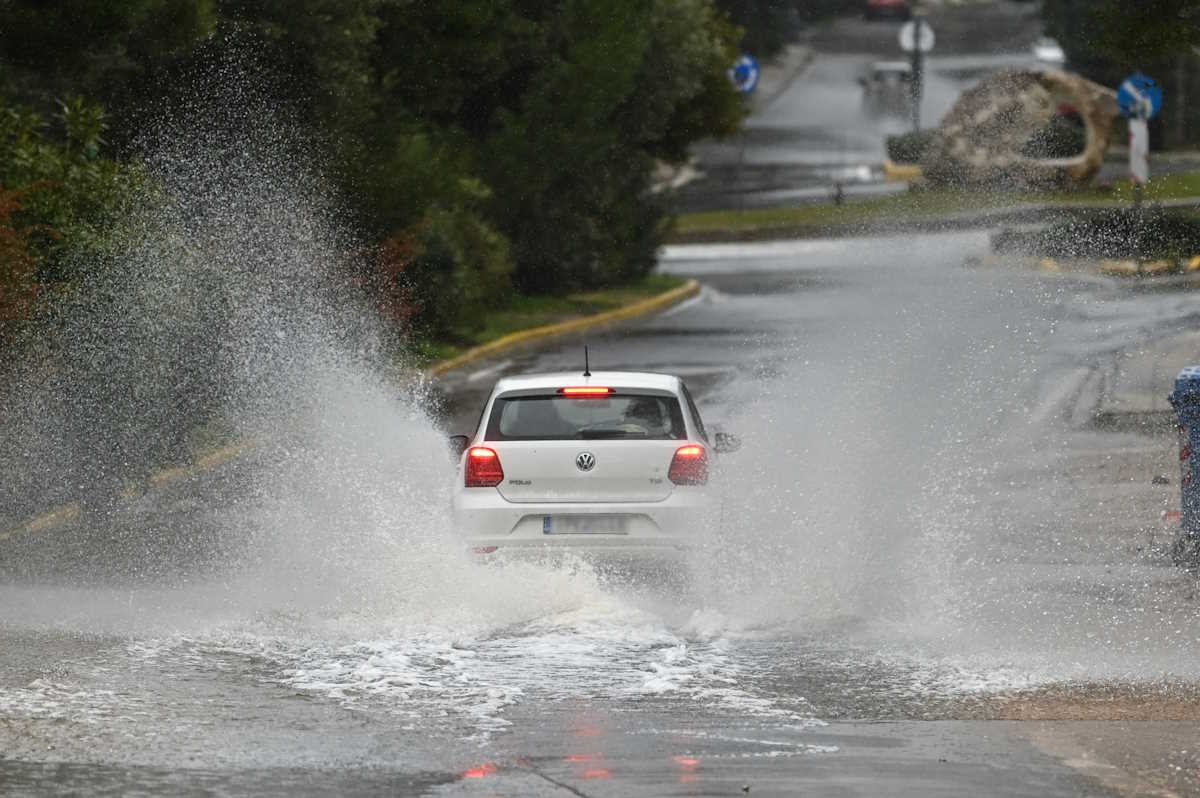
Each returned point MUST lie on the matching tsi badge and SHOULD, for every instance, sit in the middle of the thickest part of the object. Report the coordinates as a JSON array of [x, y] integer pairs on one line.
[[585, 461]]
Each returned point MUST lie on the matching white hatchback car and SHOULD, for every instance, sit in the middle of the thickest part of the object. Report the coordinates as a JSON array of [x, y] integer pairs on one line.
[[611, 464]]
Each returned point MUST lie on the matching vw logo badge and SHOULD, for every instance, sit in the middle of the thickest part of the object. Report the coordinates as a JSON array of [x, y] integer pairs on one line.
[[585, 461]]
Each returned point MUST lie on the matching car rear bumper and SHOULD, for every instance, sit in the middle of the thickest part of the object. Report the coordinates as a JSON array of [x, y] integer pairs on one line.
[[484, 519], [650, 561]]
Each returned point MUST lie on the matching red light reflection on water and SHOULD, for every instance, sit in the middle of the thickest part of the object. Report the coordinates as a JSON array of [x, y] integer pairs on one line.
[[585, 769], [687, 768], [479, 771]]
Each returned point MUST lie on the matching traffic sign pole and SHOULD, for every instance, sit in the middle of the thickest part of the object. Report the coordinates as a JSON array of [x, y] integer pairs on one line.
[[1139, 99], [917, 80], [916, 38], [1139, 157], [744, 75]]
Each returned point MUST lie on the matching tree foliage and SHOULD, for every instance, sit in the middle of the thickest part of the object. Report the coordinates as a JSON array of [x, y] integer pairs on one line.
[[769, 25], [1115, 31], [614, 87], [114, 51], [66, 190], [18, 281], [499, 140], [1108, 39]]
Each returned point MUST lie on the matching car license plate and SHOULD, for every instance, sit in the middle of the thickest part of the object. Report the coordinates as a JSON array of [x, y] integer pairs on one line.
[[585, 525]]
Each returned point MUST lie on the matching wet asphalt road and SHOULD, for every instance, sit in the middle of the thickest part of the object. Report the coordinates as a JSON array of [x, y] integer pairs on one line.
[[912, 542], [923, 532]]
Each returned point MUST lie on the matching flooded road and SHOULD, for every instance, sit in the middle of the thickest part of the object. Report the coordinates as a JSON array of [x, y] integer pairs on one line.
[[925, 557]]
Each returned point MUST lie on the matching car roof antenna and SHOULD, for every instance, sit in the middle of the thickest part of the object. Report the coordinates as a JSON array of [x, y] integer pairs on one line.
[[587, 372]]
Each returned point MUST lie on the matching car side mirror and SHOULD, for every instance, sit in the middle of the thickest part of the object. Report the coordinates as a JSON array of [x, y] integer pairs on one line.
[[726, 442], [458, 444]]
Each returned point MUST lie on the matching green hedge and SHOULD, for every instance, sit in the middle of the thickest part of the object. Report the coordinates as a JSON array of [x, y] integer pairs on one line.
[[909, 147]]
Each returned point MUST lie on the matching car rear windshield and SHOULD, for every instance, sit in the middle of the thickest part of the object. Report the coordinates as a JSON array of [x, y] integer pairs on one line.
[[553, 418]]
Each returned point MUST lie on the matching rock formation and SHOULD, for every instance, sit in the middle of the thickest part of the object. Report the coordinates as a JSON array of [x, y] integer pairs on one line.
[[983, 141]]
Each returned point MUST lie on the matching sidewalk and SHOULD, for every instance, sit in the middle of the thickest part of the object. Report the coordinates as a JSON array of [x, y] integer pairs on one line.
[[1136, 386]]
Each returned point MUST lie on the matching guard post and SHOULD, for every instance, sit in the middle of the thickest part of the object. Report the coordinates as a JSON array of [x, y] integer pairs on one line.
[[1186, 401]]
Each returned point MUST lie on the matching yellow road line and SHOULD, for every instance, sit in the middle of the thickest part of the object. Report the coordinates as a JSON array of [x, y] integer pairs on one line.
[[53, 519], [1123, 268], [203, 463], [1159, 266], [47, 520]]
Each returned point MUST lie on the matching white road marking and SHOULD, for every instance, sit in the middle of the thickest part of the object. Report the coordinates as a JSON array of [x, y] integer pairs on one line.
[[685, 304], [1065, 389], [752, 249], [474, 376]]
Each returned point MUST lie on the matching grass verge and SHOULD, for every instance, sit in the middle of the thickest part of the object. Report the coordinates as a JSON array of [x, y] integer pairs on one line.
[[524, 312], [913, 206]]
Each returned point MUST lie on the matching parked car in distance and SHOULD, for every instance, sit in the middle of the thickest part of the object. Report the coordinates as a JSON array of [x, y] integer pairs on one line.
[[887, 88], [1049, 51], [895, 9]]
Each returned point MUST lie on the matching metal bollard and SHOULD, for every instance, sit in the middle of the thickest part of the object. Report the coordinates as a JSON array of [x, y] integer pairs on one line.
[[1186, 401]]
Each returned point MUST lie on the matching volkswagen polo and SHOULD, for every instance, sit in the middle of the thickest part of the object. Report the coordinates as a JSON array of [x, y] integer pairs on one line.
[[612, 464]]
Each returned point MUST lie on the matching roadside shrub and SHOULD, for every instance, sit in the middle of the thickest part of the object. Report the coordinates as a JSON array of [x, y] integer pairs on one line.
[[1063, 137], [69, 193], [18, 279], [610, 86], [909, 147], [449, 272], [1124, 233], [388, 282]]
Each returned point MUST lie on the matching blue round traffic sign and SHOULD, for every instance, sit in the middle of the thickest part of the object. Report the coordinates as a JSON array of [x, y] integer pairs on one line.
[[1139, 97], [744, 74]]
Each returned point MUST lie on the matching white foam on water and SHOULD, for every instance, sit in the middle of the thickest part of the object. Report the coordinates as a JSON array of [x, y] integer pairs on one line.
[[604, 647], [51, 699]]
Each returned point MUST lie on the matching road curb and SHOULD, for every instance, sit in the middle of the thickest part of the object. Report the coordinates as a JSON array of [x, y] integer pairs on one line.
[[901, 172], [548, 331], [1108, 267]]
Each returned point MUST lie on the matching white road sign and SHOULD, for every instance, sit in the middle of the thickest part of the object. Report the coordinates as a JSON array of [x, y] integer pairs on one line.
[[1139, 150], [915, 34]]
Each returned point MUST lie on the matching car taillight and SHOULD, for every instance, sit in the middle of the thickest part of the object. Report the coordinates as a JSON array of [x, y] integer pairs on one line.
[[689, 466], [586, 392], [483, 468]]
